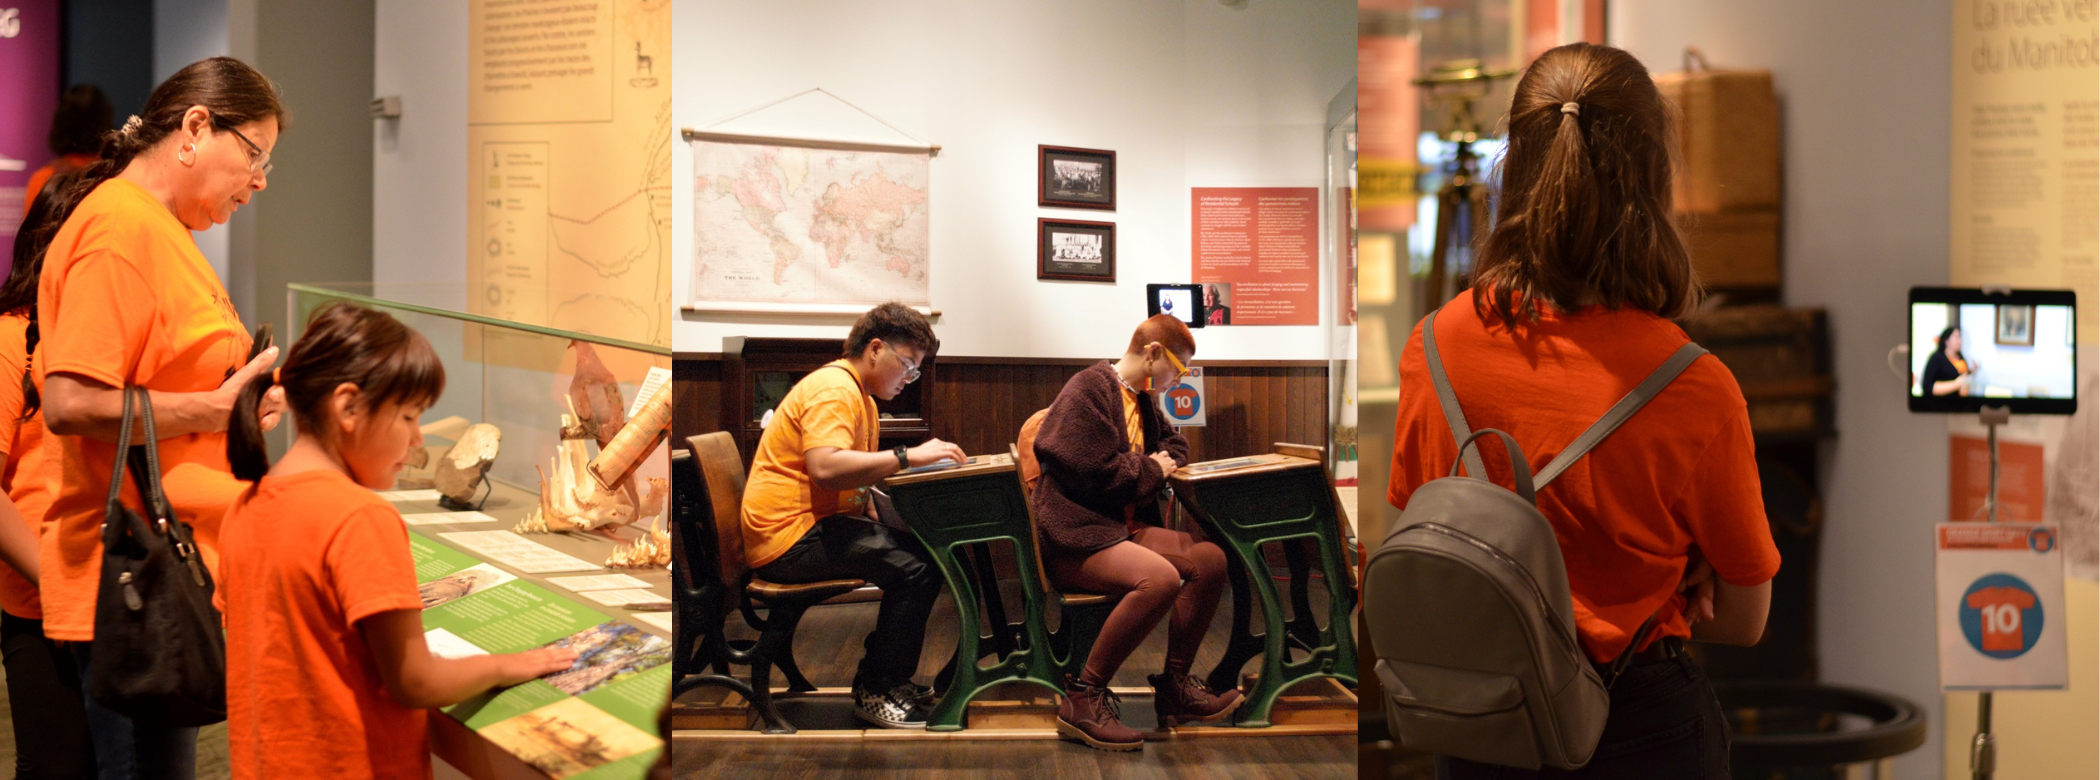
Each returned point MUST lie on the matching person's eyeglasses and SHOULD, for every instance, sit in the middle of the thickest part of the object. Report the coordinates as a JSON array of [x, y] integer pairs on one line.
[[911, 370], [258, 160], [1179, 369]]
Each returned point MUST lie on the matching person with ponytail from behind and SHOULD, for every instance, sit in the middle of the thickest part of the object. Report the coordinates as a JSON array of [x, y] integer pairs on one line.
[[125, 299], [43, 684], [1573, 290], [327, 671]]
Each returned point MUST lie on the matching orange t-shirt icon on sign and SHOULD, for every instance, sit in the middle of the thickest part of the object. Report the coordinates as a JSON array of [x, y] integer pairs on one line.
[[2001, 607]]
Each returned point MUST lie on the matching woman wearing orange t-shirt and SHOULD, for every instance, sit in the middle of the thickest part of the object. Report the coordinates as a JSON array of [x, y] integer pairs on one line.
[[43, 683], [327, 671], [126, 299], [1572, 294]]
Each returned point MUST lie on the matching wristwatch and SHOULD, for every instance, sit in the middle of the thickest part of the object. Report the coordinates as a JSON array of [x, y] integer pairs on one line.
[[903, 462]]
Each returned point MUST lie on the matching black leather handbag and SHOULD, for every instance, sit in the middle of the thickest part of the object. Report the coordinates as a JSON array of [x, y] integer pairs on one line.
[[159, 654]]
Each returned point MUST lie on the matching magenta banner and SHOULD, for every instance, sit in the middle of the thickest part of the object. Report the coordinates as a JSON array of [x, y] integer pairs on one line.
[[28, 94]]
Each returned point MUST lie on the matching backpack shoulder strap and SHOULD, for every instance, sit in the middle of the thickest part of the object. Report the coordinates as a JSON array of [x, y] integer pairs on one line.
[[1619, 412], [1447, 399]]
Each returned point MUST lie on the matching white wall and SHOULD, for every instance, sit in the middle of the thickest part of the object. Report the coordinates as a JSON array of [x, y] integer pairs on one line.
[[1190, 93], [419, 161], [1864, 99]]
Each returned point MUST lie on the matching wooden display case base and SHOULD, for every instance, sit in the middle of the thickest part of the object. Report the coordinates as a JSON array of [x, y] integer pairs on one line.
[[1323, 707]]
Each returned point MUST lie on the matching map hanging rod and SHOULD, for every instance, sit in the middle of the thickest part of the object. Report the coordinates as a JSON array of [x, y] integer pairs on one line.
[[810, 143], [794, 309]]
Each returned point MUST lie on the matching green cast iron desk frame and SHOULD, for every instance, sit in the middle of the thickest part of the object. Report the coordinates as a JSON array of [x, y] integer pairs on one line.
[[975, 503], [1245, 503]]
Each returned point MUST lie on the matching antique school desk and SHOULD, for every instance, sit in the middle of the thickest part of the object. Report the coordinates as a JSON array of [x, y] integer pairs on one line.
[[950, 510], [1243, 503]]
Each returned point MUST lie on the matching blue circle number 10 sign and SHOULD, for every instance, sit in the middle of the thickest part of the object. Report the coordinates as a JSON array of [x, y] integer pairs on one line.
[[2001, 616]]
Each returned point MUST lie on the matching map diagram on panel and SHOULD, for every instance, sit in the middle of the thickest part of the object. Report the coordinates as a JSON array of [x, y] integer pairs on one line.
[[789, 224], [569, 123]]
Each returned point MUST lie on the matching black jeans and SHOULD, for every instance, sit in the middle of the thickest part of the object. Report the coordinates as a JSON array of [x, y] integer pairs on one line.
[[126, 750], [1665, 722], [43, 690], [846, 547]]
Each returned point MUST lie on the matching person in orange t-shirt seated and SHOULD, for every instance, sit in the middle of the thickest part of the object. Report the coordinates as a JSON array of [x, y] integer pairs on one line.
[[1572, 295], [806, 517], [328, 673], [77, 127], [126, 299]]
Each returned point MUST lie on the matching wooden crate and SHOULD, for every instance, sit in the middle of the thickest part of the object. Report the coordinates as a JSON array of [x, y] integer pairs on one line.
[[1780, 357], [1735, 252]]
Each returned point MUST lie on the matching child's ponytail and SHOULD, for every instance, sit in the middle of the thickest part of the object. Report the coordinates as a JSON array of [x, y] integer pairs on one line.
[[343, 344], [245, 449]]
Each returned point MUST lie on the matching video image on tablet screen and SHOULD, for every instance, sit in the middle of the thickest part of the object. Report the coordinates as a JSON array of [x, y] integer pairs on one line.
[[1178, 301], [1992, 350]]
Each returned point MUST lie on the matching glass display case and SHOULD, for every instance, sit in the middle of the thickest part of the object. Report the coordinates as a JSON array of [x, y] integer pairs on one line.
[[514, 376]]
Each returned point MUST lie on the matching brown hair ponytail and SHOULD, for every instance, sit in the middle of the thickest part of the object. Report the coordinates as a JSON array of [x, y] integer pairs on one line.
[[343, 343], [236, 95], [1585, 193]]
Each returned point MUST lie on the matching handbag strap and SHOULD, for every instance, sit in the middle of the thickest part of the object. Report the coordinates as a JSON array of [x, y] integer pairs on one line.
[[146, 474], [116, 477]]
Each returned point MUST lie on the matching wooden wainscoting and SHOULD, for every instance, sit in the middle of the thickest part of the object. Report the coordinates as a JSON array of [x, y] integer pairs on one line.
[[983, 401]]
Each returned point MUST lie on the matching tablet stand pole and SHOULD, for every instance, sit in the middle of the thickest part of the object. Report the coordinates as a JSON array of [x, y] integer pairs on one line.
[[1983, 752]]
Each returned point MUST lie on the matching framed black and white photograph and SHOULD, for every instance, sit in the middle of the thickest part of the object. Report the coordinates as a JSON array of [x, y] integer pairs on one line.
[[1075, 178], [2015, 326], [1075, 250]]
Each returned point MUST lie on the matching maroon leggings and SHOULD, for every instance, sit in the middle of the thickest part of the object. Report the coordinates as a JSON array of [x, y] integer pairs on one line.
[[1149, 571]]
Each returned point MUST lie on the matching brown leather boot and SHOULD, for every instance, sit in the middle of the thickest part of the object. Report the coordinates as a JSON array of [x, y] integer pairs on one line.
[[1181, 698], [1090, 714]]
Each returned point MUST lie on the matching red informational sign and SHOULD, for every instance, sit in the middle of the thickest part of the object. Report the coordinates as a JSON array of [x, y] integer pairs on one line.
[[2020, 475], [1256, 251]]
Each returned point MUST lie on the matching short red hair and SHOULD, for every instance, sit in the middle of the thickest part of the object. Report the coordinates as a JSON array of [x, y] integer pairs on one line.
[[1170, 332]]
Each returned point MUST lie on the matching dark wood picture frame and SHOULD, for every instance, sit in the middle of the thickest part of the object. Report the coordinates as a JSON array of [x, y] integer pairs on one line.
[[2012, 332], [1049, 267], [1051, 191]]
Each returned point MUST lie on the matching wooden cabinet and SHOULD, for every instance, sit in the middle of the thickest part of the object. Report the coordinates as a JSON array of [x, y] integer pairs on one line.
[[758, 372]]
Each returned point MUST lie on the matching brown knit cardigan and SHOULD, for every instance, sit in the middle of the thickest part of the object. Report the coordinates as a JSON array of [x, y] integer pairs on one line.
[[1089, 472]]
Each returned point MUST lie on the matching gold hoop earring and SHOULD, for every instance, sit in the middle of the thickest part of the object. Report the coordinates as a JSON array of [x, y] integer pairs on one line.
[[192, 149]]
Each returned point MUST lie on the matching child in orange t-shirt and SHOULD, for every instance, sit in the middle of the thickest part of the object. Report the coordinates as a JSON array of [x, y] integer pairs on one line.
[[327, 671]]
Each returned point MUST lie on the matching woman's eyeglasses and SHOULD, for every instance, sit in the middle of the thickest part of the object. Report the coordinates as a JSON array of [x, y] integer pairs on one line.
[[258, 160]]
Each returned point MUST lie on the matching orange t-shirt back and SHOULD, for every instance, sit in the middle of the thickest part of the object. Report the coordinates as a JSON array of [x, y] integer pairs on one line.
[[24, 478], [1679, 473], [304, 558], [126, 298], [826, 409], [44, 175]]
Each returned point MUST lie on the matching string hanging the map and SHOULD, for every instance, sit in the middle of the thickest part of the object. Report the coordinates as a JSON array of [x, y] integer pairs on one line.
[[703, 131], [798, 225]]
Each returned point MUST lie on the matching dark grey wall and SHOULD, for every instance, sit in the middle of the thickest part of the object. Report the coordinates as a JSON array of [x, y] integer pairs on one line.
[[314, 222], [110, 43]]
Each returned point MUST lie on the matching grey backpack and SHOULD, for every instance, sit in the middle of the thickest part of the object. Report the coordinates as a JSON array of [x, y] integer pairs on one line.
[[1468, 607]]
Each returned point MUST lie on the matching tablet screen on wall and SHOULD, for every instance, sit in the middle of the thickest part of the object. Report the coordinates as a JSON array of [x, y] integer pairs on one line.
[[2014, 348], [1184, 301]]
